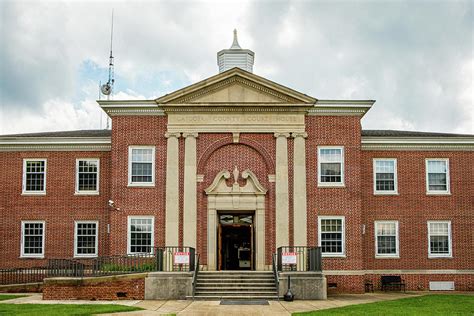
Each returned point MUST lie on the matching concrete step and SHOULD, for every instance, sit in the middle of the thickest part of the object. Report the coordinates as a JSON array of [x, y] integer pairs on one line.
[[232, 297], [249, 293], [237, 288], [233, 280], [234, 284]]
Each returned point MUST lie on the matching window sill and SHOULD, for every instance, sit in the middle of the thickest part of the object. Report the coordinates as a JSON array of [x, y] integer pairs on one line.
[[386, 193], [438, 193], [331, 185], [86, 193], [387, 257], [32, 257], [33, 193], [440, 257], [141, 185], [333, 256], [80, 257]]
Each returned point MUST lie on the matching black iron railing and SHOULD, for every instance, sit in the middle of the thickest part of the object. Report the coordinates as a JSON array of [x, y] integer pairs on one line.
[[275, 273], [162, 259], [196, 272], [299, 258]]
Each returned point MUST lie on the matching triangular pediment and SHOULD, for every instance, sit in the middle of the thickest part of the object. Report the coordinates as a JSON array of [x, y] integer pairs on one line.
[[235, 86]]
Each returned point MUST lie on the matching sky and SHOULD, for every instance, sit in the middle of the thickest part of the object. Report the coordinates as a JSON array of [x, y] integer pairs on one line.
[[415, 58]]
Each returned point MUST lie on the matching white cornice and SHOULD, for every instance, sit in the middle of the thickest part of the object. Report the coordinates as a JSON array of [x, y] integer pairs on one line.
[[55, 144], [130, 107], [465, 143], [341, 107]]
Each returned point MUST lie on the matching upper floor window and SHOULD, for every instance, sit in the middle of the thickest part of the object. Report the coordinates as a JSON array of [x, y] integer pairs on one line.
[[439, 239], [85, 238], [34, 176], [141, 166], [331, 166], [87, 176], [331, 235], [437, 176], [32, 239], [385, 176], [140, 234], [386, 239]]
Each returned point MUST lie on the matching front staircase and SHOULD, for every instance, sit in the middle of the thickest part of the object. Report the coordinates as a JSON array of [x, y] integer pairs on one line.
[[215, 285]]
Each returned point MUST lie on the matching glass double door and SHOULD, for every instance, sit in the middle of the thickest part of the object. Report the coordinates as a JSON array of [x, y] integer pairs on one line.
[[235, 242]]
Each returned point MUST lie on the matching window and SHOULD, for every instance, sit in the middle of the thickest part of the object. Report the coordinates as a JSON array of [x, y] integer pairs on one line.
[[331, 236], [331, 166], [86, 239], [140, 234], [439, 239], [87, 176], [386, 239], [437, 176], [385, 176], [32, 239], [34, 176], [141, 169]]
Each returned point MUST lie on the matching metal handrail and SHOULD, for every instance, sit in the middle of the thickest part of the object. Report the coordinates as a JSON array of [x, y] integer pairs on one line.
[[299, 258], [196, 271], [275, 273]]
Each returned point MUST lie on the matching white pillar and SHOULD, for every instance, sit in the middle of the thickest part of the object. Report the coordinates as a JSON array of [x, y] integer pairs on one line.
[[190, 203], [299, 189], [172, 189], [281, 191]]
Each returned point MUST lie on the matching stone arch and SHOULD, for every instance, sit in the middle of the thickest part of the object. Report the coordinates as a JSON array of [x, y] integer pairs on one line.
[[267, 158]]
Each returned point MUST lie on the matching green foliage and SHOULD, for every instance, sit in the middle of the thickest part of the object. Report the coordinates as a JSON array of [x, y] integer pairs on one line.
[[4, 297], [113, 267], [436, 304], [62, 309]]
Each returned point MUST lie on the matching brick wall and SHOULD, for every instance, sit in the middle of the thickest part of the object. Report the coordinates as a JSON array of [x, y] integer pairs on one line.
[[59, 208], [115, 288]]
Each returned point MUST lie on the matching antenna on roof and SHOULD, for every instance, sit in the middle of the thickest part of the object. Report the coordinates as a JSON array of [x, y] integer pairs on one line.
[[108, 87]]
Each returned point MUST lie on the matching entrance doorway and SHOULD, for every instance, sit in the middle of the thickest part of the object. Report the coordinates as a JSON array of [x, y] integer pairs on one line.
[[235, 242]]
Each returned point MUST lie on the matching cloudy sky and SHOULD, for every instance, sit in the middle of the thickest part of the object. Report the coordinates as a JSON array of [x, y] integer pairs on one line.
[[415, 57]]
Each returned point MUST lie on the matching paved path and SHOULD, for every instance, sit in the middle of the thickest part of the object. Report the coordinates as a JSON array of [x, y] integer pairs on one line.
[[201, 308]]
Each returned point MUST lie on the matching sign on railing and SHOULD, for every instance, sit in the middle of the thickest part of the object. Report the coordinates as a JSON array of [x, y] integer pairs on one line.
[[181, 258], [288, 257]]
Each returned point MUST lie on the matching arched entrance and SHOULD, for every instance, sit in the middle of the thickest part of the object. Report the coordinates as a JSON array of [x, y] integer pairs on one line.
[[235, 199]]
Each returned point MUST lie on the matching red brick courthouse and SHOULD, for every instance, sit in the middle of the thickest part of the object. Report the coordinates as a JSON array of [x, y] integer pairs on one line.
[[236, 166]]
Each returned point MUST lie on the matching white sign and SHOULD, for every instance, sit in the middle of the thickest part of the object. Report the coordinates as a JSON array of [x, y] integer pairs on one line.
[[288, 257], [181, 257]]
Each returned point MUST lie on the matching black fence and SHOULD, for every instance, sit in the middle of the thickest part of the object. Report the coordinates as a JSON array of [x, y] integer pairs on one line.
[[299, 258], [161, 259]]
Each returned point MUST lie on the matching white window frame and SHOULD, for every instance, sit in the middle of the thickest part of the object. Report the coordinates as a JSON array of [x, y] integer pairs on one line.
[[397, 241], [331, 184], [395, 177], [448, 187], [141, 184], [333, 254], [22, 241], [23, 190], [129, 234], [78, 255], [450, 244], [87, 192]]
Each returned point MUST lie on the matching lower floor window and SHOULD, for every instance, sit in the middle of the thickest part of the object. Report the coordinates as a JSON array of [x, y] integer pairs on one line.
[[32, 239], [140, 234], [439, 238], [386, 242], [86, 239], [331, 235]]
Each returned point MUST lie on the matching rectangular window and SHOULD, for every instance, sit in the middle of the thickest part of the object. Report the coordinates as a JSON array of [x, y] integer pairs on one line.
[[141, 169], [140, 234], [331, 235], [32, 239], [385, 176], [437, 176], [386, 239], [87, 176], [439, 239], [34, 176], [86, 239], [331, 166]]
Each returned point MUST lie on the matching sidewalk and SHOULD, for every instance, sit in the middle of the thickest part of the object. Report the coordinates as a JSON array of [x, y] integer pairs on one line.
[[188, 307]]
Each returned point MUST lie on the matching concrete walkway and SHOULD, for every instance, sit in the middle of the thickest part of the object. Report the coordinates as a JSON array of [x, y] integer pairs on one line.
[[188, 307]]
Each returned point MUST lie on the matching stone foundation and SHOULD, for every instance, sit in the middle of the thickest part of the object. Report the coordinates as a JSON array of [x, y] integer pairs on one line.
[[304, 285], [168, 285]]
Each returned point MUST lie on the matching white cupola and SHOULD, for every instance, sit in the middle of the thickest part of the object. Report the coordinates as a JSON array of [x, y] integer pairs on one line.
[[235, 56]]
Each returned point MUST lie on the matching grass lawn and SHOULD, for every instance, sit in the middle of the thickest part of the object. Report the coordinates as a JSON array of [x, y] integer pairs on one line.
[[436, 304], [62, 309], [4, 297]]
